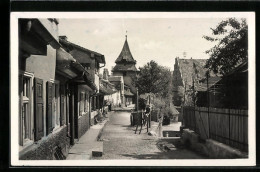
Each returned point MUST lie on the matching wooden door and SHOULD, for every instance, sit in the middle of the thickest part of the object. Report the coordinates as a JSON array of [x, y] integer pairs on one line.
[[49, 97], [38, 109]]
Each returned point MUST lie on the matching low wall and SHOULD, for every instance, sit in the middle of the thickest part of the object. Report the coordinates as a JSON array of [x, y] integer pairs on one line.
[[209, 147], [45, 148], [92, 115]]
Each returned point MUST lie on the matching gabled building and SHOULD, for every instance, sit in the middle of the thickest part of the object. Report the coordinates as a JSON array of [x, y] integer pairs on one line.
[[86, 87], [125, 67], [187, 75]]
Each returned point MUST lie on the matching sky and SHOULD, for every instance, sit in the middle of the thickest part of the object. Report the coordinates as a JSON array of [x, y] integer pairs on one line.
[[158, 39]]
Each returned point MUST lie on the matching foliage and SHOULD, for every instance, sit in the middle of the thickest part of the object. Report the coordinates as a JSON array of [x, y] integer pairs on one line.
[[158, 103], [141, 103], [231, 49], [154, 78], [178, 96]]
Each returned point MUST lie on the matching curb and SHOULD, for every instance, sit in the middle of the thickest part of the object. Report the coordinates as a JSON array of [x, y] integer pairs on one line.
[[101, 130]]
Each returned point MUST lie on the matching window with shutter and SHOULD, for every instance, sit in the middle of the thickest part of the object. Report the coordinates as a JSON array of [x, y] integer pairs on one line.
[[81, 103], [38, 109], [86, 102], [26, 109], [49, 96]]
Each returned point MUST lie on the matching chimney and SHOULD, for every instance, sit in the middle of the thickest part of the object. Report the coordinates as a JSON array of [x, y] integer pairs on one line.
[[105, 74], [184, 54], [63, 37]]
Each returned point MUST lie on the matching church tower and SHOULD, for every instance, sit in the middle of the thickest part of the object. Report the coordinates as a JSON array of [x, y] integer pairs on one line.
[[125, 66]]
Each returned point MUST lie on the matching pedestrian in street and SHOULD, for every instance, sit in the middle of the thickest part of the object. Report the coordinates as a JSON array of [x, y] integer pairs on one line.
[[146, 114], [160, 123]]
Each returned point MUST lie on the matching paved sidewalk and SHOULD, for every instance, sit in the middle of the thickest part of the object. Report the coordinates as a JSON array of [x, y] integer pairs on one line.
[[82, 150]]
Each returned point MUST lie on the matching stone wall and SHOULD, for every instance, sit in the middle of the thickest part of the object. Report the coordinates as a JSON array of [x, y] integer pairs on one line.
[[45, 148], [209, 147]]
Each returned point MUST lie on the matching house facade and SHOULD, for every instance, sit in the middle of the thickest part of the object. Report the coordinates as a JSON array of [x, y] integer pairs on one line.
[[125, 67], [86, 88], [58, 90], [43, 125]]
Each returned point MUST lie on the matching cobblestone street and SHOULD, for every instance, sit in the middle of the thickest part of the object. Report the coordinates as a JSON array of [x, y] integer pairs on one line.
[[121, 142]]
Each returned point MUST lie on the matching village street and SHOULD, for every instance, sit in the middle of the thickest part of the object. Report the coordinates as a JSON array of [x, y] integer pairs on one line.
[[121, 142]]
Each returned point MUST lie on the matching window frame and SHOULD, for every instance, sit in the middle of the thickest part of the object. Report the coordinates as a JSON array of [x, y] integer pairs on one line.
[[56, 106], [81, 104], [24, 142]]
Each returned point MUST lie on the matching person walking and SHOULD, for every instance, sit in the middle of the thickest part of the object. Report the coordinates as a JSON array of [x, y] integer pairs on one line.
[[146, 115]]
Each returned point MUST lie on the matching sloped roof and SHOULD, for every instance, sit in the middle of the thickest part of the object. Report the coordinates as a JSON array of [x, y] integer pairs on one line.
[[115, 78], [99, 57], [211, 81], [125, 54], [122, 67], [190, 68], [128, 93]]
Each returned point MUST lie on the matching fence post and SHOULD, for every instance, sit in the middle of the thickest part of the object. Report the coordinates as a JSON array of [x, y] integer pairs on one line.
[[195, 119], [208, 100], [229, 126]]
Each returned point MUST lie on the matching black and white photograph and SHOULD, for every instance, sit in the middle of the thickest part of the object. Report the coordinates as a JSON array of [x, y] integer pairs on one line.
[[133, 88]]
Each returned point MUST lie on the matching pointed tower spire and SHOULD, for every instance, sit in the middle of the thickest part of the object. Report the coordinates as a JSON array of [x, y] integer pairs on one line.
[[126, 35], [125, 54]]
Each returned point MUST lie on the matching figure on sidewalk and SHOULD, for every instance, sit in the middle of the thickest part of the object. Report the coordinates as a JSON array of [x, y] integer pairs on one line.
[[160, 123]]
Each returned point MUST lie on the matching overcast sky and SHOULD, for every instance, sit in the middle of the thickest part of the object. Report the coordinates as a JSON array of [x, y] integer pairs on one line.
[[158, 39]]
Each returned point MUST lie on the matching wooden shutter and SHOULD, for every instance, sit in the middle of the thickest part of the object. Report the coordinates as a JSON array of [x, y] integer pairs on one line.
[[38, 109], [20, 109], [62, 105], [49, 96]]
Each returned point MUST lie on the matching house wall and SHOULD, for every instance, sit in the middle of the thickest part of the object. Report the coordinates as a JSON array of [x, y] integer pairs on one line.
[[83, 120], [43, 67], [127, 79], [44, 149]]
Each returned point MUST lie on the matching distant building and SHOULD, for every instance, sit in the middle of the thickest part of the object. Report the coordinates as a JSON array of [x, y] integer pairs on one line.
[[117, 99], [229, 91], [187, 73], [125, 67]]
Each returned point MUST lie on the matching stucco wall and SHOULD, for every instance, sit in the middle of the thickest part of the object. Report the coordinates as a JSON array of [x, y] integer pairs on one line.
[[43, 67]]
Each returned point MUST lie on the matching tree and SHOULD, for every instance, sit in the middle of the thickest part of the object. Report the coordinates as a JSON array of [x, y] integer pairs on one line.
[[231, 36], [153, 78]]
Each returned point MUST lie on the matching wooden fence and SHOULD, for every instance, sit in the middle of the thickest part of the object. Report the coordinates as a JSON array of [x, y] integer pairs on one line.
[[228, 126]]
